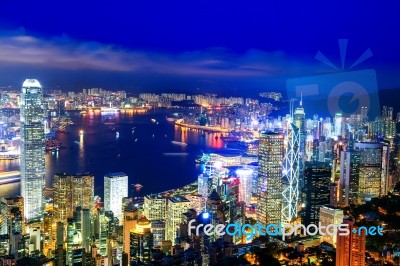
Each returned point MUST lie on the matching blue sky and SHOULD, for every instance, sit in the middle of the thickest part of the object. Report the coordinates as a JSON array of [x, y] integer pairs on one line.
[[216, 46]]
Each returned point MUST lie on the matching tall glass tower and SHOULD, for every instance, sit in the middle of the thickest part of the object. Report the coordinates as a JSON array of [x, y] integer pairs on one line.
[[269, 198], [32, 149]]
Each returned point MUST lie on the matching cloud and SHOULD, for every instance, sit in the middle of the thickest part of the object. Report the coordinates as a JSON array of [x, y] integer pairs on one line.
[[62, 52]]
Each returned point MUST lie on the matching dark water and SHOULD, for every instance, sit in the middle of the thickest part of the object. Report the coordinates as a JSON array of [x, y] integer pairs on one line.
[[146, 155]]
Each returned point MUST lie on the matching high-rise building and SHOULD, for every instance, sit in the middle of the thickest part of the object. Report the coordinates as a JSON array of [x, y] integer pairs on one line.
[[317, 188], [130, 222], [12, 216], [155, 207], [374, 170], [175, 208], [290, 185], [327, 216], [115, 189], [32, 149], [349, 177], [269, 198], [141, 241], [245, 185], [71, 191], [350, 249]]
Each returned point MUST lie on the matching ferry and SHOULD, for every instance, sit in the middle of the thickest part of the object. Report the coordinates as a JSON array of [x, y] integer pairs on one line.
[[179, 143], [53, 144], [10, 177], [8, 156], [109, 110]]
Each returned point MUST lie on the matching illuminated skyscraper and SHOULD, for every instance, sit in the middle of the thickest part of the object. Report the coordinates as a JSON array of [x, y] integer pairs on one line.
[[32, 149], [349, 177], [71, 191], [374, 170], [317, 186], [290, 173], [269, 198], [350, 249], [175, 208], [328, 216], [155, 207], [245, 185], [115, 189]]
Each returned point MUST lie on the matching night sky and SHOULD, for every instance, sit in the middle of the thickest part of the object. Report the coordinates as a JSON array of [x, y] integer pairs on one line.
[[187, 46]]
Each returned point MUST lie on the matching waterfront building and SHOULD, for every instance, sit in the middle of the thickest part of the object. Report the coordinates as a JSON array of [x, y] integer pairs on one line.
[[175, 208], [155, 207], [32, 149], [115, 189]]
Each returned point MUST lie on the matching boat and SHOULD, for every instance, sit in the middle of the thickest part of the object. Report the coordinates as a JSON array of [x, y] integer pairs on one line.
[[117, 134], [53, 144], [179, 143], [230, 139], [77, 142], [10, 177], [8, 156], [153, 120], [109, 110]]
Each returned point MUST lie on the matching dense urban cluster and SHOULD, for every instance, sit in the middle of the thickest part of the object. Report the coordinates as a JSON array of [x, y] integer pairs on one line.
[[295, 170]]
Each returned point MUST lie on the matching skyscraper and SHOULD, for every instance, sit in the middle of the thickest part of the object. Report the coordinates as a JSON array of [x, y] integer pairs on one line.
[[71, 191], [245, 185], [349, 177], [290, 173], [32, 149], [115, 189], [350, 249], [374, 170], [269, 198], [317, 181]]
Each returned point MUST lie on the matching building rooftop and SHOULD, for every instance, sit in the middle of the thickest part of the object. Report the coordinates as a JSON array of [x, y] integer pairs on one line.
[[31, 83], [178, 199], [116, 174]]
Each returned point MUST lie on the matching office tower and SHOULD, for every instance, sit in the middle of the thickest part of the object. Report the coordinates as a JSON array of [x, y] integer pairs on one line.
[[338, 124], [349, 177], [115, 189], [299, 121], [269, 198], [158, 231], [103, 226], [350, 249], [71, 191], [85, 217], [12, 215], [130, 220], [374, 167], [364, 114], [74, 241], [175, 207], [327, 216], [202, 185], [290, 174], [155, 207], [317, 182], [245, 185], [32, 149], [141, 241]]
